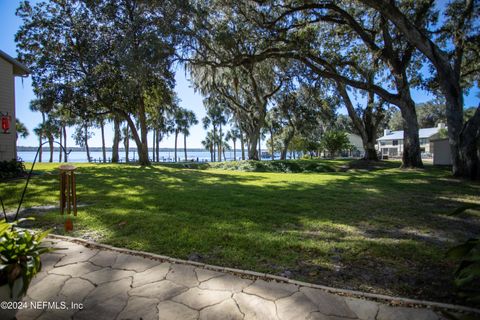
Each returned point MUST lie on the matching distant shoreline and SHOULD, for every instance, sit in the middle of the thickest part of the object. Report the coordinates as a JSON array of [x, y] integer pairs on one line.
[[108, 149]]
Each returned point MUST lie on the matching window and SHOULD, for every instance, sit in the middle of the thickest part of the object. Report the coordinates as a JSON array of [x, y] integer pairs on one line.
[[395, 142], [423, 141], [382, 143]]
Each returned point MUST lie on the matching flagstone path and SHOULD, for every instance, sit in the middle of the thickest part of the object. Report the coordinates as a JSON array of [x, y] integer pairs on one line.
[[106, 284]]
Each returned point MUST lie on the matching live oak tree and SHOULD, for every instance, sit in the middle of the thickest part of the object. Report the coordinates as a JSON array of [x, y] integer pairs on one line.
[[246, 88], [246, 91], [452, 50], [311, 31], [112, 52], [82, 135], [298, 110], [273, 30]]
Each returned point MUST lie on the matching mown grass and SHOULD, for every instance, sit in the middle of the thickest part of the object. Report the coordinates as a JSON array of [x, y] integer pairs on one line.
[[384, 230]]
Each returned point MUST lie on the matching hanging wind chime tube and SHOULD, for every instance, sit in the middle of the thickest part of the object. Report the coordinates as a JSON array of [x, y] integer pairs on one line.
[[68, 194]]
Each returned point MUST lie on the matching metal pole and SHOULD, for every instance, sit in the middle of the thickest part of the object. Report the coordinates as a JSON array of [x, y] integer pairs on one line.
[[30, 175]]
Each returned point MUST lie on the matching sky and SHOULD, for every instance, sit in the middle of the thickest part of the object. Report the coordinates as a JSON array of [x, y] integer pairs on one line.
[[9, 24]]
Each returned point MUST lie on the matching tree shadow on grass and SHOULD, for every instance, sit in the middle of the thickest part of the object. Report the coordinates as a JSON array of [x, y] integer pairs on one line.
[[341, 229]]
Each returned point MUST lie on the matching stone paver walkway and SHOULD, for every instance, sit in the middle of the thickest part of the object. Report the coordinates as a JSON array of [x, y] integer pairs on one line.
[[113, 285]]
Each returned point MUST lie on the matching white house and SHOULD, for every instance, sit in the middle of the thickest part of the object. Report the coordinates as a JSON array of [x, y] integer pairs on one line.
[[391, 144], [358, 150], [9, 69]]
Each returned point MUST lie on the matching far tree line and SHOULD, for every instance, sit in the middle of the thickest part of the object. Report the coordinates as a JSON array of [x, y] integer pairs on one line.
[[276, 66]]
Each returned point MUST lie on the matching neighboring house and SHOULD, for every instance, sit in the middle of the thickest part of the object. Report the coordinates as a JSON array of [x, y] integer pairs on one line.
[[357, 151], [9, 69], [391, 144]]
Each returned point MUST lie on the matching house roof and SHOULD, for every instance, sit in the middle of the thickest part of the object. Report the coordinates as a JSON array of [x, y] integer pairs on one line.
[[398, 135], [18, 68]]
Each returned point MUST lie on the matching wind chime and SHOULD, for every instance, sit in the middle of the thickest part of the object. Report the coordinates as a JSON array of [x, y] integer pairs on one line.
[[68, 194]]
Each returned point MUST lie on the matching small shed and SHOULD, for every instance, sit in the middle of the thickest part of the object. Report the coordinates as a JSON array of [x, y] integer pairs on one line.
[[441, 152], [9, 69]]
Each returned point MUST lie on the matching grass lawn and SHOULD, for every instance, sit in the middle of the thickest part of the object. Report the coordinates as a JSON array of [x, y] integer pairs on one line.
[[383, 231]]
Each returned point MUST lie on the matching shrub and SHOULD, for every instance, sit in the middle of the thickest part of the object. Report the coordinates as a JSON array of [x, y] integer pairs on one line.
[[287, 166], [11, 169]]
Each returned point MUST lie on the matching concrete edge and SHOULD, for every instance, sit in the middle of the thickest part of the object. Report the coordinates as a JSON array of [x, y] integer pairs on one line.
[[354, 293]]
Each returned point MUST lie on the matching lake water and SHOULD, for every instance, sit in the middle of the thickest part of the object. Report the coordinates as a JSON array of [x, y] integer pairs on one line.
[[81, 156]]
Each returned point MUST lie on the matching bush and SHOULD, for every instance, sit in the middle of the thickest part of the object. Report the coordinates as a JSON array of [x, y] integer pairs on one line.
[[11, 169], [286, 166]]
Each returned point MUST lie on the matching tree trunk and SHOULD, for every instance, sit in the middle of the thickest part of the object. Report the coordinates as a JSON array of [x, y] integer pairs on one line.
[[50, 143], [86, 143], [65, 144], [185, 146], [143, 147], [60, 150], [411, 142], [260, 146], [104, 152], [469, 151], [126, 143], [154, 145], [116, 139], [367, 129], [286, 143], [157, 148], [242, 144], [40, 148], [40, 139], [176, 138], [215, 144], [370, 151], [235, 149], [271, 144], [220, 144], [212, 153], [462, 146], [253, 138], [134, 132]]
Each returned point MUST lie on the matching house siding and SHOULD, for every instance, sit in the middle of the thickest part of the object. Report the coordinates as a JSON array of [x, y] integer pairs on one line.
[[7, 105], [441, 152], [387, 148]]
